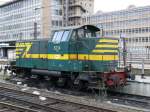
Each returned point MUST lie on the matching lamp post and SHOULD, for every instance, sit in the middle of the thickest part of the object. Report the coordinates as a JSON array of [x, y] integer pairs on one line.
[[87, 15], [122, 37], [147, 51], [101, 28]]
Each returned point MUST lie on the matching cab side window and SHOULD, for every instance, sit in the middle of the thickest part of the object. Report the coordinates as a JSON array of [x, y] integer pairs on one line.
[[81, 33], [86, 33], [74, 35], [90, 34]]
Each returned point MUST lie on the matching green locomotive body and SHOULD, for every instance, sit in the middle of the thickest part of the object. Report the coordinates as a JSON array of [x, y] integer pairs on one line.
[[70, 51]]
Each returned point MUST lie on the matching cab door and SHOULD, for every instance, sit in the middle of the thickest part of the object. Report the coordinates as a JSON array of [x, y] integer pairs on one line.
[[74, 46], [83, 48]]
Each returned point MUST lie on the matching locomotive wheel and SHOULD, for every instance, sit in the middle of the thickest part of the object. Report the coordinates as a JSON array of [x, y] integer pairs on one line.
[[51, 83], [32, 82], [61, 82], [25, 74], [70, 84], [83, 85]]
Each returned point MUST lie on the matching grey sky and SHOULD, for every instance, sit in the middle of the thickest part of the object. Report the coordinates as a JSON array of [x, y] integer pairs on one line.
[[4, 1], [112, 5]]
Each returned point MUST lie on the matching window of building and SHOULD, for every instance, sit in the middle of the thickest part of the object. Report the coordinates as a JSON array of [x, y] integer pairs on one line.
[[146, 39]]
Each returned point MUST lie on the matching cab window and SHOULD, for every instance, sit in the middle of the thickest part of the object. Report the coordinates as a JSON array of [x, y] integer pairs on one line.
[[90, 34], [65, 36], [74, 35], [86, 33], [57, 36], [81, 33]]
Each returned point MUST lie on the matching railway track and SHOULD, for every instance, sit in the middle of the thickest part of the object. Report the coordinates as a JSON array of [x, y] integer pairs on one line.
[[119, 98], [14, 99], [7, 107], [129, 99], [62, 102]]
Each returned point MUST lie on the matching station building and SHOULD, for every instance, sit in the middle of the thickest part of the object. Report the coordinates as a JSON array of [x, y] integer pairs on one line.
[[133, 24], [35, 19], [74, 11], [17, 19]]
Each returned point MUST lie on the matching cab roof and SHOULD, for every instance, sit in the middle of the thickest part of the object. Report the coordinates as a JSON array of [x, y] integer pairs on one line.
[[91, 27]]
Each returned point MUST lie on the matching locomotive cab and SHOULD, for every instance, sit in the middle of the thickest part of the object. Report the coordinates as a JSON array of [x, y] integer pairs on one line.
[[79, 49]]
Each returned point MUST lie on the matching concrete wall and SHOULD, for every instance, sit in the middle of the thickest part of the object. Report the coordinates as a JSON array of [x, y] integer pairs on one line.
[[7, 53], [46, 18], [11, 54]]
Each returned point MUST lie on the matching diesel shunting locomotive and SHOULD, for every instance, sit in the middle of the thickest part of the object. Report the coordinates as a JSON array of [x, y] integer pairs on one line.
[[73, 57]]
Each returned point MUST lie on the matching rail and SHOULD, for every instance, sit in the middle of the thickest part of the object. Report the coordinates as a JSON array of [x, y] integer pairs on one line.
[[9, 107], [51, 104]]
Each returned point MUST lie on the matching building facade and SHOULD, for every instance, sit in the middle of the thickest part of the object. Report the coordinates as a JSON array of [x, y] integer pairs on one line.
[[36, 19], [133, 24], [32, 19], [27, 19], [75, 10], [18, 18]]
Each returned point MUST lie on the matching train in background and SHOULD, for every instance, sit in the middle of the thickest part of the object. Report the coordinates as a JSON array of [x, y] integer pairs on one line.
[[74, 57]]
